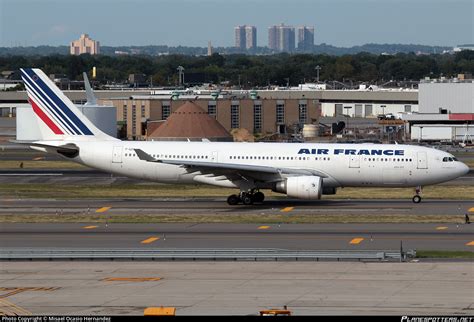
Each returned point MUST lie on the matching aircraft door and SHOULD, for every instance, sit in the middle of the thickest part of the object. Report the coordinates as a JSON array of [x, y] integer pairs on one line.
[[214, 156], [354, 161], [117, 154], [422, 162]]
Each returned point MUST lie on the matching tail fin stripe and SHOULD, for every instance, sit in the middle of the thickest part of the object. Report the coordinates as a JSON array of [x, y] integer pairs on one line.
[[58, 102], [46, 102], [45, 118], [53, 116]]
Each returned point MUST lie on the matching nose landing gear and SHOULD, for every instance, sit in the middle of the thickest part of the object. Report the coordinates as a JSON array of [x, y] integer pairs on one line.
[[417, 197], [247, 198]]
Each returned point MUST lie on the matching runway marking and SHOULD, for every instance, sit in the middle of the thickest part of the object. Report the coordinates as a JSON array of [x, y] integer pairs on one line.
[[9, 309], [131, 279], [356, 241], [103, 209], [90, 227], [287, 209], [149, 240], [441, 228], [470, 243], [263, 227]]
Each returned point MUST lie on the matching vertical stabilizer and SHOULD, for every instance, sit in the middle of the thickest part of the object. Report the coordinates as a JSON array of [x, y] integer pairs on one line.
[[57, 116]]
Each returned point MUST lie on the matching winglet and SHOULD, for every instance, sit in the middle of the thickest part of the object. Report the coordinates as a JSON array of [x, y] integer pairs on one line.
[[145, 156]]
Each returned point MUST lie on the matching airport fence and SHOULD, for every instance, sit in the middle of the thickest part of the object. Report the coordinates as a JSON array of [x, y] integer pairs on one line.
[[247, 254]]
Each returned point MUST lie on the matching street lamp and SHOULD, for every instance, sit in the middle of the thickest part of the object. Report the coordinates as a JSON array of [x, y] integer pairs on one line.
[[318, 68]]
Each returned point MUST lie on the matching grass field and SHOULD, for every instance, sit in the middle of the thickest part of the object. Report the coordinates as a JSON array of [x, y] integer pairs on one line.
[[160, 190], [40, 164], [270, 218], [444, 254]]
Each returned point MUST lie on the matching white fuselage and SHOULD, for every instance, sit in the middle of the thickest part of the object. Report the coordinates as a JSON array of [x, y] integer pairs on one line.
[[344, 165]]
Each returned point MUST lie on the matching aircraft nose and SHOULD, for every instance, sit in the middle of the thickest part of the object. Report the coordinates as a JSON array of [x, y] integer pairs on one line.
[[464, 169]]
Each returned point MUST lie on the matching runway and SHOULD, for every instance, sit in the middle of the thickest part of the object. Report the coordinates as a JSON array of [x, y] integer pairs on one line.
[[219, 206], [284, 236]]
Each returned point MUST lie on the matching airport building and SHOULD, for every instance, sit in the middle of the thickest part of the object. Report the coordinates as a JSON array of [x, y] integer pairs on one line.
[[257, 115], [446, 111], [440, 110]]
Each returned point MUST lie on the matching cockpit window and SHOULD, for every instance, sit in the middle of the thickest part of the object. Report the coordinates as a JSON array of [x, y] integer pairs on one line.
[[449, 159]]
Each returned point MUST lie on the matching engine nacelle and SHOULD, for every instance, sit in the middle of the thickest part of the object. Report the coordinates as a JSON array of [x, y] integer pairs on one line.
[[304, 187]]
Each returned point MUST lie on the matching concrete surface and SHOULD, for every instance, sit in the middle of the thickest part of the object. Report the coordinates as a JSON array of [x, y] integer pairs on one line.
[[286, 236], [239, 288]]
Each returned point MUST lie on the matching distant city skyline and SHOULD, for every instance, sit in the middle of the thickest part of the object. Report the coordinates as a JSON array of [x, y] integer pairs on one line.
[[343, 23]]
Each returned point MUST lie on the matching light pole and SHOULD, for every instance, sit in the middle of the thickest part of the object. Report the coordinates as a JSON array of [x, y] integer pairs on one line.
[[318, 68], [180, 70]]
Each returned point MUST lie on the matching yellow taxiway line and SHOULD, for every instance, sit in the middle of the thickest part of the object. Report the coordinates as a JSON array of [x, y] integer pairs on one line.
[[356, 241], [103, 209], [149, 240]]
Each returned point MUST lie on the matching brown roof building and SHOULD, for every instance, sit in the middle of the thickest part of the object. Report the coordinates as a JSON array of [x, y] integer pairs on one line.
[[189, 121]]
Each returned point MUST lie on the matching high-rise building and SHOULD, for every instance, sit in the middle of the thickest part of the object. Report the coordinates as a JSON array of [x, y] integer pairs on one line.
[[209, 48], [85, 45], [245, 37], [305, 38], [272, 37], [239, 32], [250, 37], [281, 38]]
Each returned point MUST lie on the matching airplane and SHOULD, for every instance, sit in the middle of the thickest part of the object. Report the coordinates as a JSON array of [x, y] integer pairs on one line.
[[299, 170]]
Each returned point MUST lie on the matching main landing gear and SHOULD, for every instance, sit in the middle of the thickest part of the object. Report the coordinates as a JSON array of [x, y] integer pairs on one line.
[[247, 198], [417, 197]]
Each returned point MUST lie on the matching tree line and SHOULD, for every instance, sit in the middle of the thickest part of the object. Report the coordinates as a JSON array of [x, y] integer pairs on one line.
[[252, 71]]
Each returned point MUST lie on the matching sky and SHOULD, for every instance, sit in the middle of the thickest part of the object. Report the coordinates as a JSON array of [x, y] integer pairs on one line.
[[343, 23]]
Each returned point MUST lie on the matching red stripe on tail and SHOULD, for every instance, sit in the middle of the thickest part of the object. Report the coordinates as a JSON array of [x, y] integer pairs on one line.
[[45, 118]]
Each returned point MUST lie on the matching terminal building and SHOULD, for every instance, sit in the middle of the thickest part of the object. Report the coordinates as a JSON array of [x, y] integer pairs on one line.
[[440, 110]]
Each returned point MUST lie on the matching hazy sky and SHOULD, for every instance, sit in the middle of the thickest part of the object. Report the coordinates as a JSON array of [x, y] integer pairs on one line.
[[194, 22]]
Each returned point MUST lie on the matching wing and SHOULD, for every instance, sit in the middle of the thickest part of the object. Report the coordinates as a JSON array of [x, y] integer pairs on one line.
[[235, 171]]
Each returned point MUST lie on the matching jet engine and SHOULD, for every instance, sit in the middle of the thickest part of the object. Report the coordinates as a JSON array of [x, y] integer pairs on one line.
[[303, 187]]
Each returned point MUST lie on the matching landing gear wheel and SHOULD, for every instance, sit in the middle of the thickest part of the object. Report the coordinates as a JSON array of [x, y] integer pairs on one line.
[[233, 200], [416, 199], [258, 197], [247, 200]]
